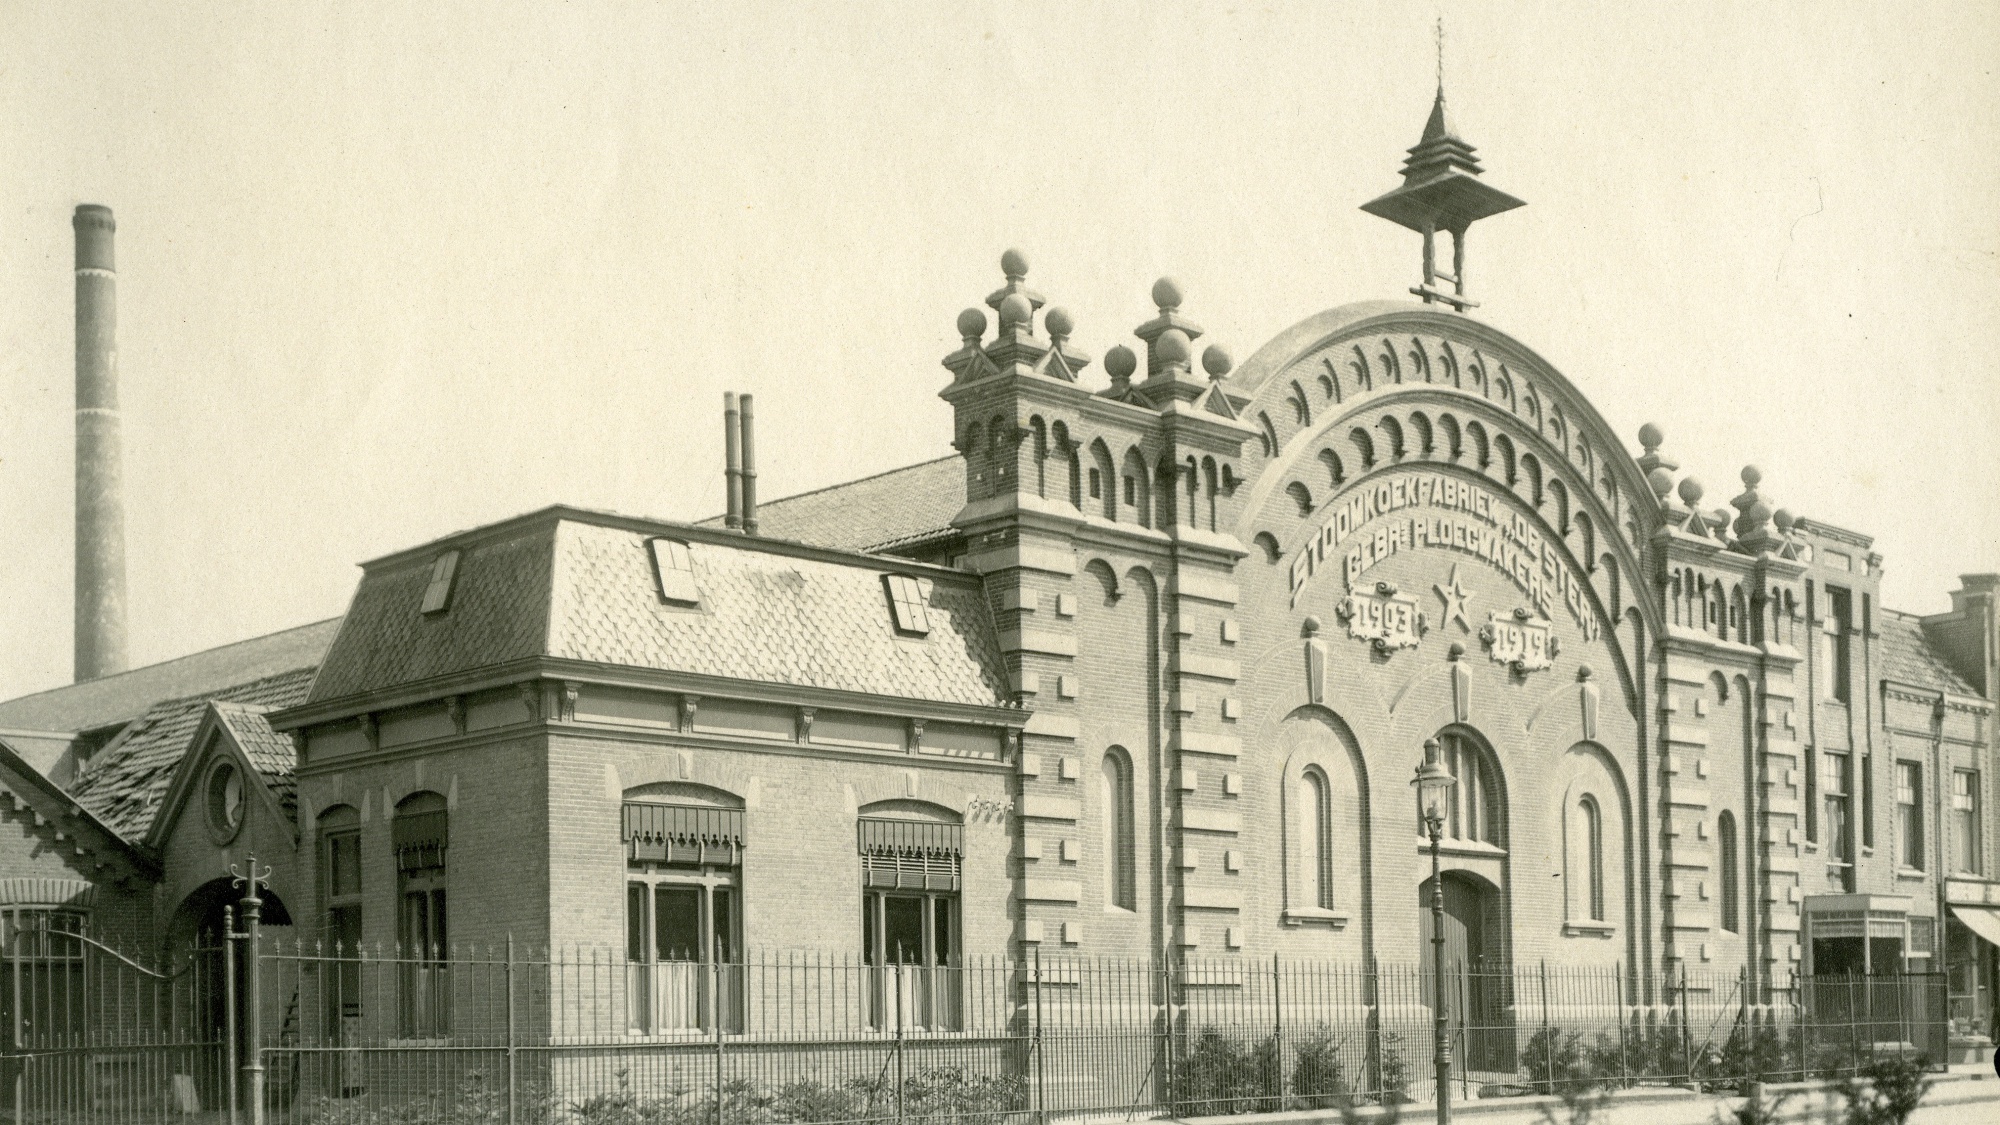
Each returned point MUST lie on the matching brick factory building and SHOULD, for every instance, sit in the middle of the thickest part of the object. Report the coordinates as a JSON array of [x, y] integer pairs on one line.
[[1142, 670]]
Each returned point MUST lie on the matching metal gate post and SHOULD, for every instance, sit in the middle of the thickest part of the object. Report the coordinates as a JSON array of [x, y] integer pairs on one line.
[[894, 971], [1278, 1026], [14, 1040], [1687, 1028], [511, 1080], [253, 912], [1548, 1037], [230, 1076], [1035, 1045]]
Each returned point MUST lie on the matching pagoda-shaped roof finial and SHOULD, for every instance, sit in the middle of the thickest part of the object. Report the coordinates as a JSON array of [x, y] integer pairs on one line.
[[1441, 191]]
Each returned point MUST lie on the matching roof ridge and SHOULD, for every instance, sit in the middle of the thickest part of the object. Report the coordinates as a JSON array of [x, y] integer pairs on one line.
[[762, 504], [174, 660]]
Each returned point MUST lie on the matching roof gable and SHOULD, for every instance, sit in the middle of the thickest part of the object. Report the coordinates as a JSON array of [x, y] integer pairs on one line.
[[93, 841], [239, 731], [1909, 657]]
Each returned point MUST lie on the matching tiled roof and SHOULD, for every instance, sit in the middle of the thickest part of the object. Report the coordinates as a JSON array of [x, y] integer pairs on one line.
[[127, 695], [898, 506], [124, 783], [770, 618], [272, 753], [1909, 656], [575, 586]]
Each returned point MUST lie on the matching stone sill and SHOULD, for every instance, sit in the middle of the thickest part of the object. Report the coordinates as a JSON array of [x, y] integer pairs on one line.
[[1314, 916], [1589, 929]]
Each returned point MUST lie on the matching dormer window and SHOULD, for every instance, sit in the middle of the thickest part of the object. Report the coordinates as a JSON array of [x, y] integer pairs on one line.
[[673, 569], [906, 604], [437, 596]]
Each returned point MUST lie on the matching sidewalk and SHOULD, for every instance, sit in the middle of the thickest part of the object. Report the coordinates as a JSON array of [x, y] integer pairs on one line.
[[1968, 1085]]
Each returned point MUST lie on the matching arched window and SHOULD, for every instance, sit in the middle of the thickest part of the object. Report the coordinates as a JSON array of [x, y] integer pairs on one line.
[[1120, 864], [421, 834], [683, 906], [1474, 810], [1315, 853], [912, 871], [1590, 841], [1725, 848]]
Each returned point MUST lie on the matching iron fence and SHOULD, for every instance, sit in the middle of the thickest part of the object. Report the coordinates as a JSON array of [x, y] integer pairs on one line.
[[508, 1036]]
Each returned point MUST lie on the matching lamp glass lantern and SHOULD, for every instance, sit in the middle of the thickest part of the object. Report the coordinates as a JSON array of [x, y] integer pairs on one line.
[[1434, 784]]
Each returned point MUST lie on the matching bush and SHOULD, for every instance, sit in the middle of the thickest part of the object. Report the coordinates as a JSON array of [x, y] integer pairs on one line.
[[1395, 1072], [1222, 1074], [1886, 1090], [1318, 1080]]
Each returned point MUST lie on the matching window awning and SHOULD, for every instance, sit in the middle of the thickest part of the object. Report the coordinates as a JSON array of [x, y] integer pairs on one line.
[[420, 840], [1981, 920], [682, 833], [911, 855]]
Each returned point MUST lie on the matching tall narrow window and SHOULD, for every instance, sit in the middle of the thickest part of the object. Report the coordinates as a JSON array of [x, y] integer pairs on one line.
[[1472, 813], [1725, 852], [1965, 818], [340, 892], [421, 833], [1120, 866], [1834, 640], [1837, 832], [1910, 815], [1590, 837], [1315, 862], [911, 871], [683, 895]]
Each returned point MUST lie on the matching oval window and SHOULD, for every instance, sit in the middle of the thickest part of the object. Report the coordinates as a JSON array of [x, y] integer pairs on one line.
[[225, 800]]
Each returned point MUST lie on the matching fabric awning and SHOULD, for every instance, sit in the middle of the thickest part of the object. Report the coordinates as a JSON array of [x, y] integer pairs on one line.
[[910, 855], [420, 840], [683, 834], [1981, 920]]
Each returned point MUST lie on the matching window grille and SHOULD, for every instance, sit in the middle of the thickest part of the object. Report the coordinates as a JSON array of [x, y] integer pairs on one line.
[[682, 834], [1923, 936], [673, 569], [906, 604], [437, 596], [911, 855]]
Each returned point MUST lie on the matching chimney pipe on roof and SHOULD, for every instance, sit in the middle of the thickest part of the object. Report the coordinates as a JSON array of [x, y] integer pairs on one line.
[[732, 461], [749, 470], [100, 506]]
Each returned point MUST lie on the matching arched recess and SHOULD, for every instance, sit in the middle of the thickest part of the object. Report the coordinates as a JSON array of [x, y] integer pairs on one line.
[[1103, 480], [683, 793], [1039, 432], [1267, 543], [1066, 460], [1302, 496], [913, 809], [1328, 879], [1118, 843], [1477, 811], [1136, 489], [1589, 778]]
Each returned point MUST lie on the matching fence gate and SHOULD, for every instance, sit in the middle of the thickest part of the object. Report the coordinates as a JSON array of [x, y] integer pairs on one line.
[[88, 1030]]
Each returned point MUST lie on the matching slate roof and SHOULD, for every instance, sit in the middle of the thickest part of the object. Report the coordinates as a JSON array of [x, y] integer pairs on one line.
[[117, 699], [271, 753], [1909, 656], [124, 783], [900, 506], [576, 585]]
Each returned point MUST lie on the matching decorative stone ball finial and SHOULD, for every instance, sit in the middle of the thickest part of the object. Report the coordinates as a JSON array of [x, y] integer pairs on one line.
[[1691, 490], [1662, 482], [1215, 361], [1119, 363], [1167, 294], [1016, 311], [1752, 476], [1455, 652], [1783, 518], [1059, 324], [1650, 437], [1173, 346], [1583, 673], [1014, 264], [1761, 512], [1310, 628], [972, 325]]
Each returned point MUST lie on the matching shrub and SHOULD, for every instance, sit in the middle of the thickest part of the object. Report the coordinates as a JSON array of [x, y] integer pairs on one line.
[[1885, 1090], [1318, 1081], [1221, 1074], [1395, 1072]]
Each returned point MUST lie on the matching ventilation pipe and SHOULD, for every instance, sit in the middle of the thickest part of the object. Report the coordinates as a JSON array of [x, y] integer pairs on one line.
[[732, 431], [100, 505], [747, 470]]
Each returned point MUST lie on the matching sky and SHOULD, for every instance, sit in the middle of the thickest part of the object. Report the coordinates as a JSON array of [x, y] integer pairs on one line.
[[388, 271]]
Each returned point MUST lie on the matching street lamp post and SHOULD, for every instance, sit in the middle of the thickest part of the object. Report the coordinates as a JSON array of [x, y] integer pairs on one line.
[[1434, 784]]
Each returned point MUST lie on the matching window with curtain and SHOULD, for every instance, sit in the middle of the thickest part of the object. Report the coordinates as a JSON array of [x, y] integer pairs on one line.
[[683, 916], [1836, 831], [1726, 858], [911, 874], [340, 881], [1965, 818], [1115, 800], [1315, 861], [1910, 815], [421, 835]]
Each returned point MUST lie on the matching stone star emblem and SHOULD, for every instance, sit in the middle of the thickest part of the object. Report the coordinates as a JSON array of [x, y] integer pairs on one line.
[[1455, 599]]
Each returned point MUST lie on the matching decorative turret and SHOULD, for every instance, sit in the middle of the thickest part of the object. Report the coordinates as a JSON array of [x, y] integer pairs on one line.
[[1016, 345], [1442, 191], [1170, 340], [1753, 526]]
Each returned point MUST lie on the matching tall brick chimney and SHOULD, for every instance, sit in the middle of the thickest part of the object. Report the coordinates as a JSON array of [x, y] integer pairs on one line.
[[100, 505]]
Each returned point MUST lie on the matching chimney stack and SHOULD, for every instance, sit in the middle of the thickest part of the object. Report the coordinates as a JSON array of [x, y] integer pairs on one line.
[[748, 469], [732, 462], [100, 506]]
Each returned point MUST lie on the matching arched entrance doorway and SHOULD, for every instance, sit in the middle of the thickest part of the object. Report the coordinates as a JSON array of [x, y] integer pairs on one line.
[[199, 923], [1478, 981]]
